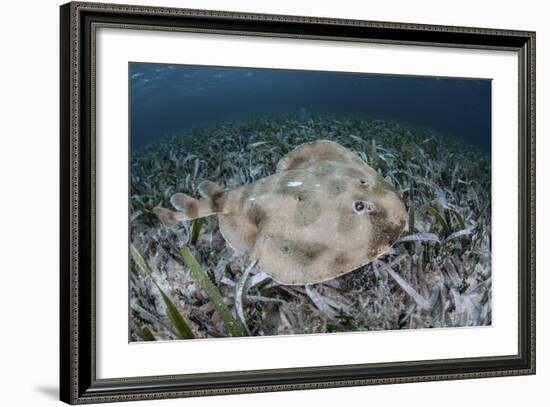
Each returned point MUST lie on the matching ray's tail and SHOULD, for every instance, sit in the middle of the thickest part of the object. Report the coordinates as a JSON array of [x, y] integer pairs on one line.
[[188, 208]]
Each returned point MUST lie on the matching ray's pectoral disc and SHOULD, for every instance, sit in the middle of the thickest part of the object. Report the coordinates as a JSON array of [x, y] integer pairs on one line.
[[322, 214]]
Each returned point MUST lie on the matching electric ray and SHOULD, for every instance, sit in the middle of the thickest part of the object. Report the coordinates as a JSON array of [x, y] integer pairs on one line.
[[324, 213]]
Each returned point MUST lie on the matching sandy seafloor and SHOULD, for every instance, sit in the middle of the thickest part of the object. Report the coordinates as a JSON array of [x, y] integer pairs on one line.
[[437, 275]]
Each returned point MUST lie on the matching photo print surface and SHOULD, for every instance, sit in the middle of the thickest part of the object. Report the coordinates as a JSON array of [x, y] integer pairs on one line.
[[272, 202]]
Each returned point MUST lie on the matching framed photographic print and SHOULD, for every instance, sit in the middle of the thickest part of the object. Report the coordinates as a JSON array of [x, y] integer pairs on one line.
[[256, 203]]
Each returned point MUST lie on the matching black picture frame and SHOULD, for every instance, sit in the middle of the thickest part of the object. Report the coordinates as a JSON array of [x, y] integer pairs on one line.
[[78, 382]]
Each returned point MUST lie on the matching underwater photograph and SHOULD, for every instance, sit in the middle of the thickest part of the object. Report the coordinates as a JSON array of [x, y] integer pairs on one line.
[[270, 202]]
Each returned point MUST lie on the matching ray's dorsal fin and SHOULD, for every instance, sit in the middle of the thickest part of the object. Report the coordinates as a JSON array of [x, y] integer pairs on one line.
[[308, 154], [188, 208], [209, 189], [183, 202], [214, 195]]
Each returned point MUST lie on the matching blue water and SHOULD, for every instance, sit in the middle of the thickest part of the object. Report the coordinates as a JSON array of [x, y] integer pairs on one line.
[[167, 99]]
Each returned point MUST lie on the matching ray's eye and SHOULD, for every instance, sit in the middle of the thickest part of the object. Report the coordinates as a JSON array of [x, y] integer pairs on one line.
[[359, 207], [363, 181]]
